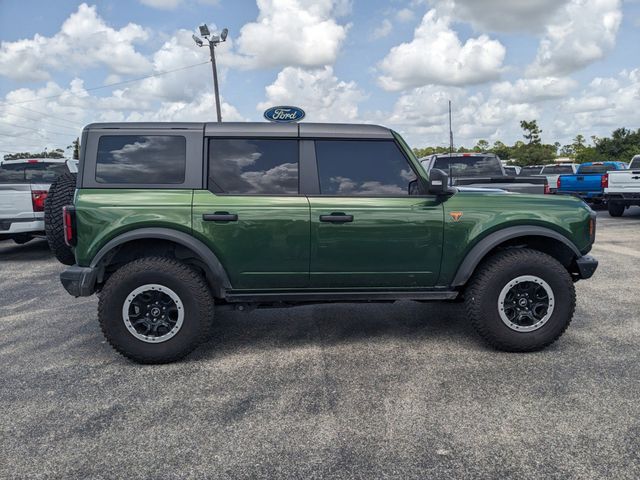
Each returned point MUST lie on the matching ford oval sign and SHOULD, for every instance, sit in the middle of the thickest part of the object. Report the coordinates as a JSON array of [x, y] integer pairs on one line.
[[284, 114]]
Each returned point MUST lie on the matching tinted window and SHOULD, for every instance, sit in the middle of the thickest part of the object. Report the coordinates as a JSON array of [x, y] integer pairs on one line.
[[362, 167], [31, 172], [635, 163], [472, 166], [530, 171], [254, 166], [141, 159], [557, 170], [595, 168]]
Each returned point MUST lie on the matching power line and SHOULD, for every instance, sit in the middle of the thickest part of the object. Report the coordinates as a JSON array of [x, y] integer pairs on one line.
[[43, 120], [37, 129], [109, 85], [49, 115]]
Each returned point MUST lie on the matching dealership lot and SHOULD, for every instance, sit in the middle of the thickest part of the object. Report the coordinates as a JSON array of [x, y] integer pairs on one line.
[[402, 390]]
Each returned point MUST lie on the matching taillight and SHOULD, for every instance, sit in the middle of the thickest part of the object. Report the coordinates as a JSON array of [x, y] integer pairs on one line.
[[37, 199], [558, 183], [69, 222], [547, 190], [592, 229], [604, 181]]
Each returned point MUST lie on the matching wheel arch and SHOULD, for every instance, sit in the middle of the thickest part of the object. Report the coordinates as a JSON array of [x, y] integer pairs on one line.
[[539, 238], [135, 243]]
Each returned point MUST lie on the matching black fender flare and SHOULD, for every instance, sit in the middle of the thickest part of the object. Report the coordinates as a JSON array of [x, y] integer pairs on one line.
[[204, 253], [484, 246]]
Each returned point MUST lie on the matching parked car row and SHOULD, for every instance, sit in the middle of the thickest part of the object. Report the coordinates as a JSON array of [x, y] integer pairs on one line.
[[24, 186]]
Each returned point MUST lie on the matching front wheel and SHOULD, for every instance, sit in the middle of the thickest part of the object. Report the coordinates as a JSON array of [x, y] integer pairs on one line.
[[155, 310], [520, 300], [616, 209]]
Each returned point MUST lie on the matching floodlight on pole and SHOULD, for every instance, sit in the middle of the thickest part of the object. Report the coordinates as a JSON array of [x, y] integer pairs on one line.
[[213, 42]]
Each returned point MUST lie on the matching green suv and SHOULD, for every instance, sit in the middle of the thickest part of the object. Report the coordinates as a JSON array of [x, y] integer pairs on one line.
[[170, 221]]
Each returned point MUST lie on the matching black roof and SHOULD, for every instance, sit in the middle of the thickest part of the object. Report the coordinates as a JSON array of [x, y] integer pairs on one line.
[[262, 129]]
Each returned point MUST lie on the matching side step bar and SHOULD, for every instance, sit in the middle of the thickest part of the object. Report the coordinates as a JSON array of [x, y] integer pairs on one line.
[[357, 296]]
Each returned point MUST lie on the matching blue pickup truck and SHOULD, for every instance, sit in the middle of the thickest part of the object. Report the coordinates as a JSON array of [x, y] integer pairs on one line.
[[589, 181]]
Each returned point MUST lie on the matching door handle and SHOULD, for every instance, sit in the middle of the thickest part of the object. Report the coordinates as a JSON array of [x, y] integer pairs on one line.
[[336, 217], [220, 217]]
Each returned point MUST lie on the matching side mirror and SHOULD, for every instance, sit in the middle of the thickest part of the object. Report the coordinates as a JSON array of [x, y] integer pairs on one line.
[[438, 182]]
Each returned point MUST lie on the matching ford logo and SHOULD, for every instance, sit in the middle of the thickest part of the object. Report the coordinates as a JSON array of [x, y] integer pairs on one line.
[[284, 114]]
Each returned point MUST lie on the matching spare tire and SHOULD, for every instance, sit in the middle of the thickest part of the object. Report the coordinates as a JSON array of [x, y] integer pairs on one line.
[[61, 193]]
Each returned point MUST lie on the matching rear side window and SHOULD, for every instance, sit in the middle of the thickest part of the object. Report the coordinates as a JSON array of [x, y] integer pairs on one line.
[[469, 166], [530, 171], [253, 166], [141, 159], [557, 170], [595, 168], [31, 172], [362, 168]]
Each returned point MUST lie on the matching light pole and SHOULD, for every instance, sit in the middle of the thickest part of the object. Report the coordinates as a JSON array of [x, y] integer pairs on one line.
[[213, 41]]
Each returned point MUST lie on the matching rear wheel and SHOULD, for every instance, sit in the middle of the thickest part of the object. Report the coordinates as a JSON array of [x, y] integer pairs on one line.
[[616, 209], [60, 194], [520, 300], [155, 310]]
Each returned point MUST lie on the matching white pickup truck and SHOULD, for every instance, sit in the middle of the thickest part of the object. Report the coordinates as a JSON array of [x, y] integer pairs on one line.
[[622, 188], [24, 185]]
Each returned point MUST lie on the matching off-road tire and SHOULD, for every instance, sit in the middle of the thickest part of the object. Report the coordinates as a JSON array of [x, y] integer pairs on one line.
[[493, 274], [186, 282], [616, 209], [60, 194]]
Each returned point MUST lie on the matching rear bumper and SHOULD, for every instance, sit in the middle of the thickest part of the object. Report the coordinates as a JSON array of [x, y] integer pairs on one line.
[[11, 226], [627, 198], [587, 266], [583, 195], [79, 281]]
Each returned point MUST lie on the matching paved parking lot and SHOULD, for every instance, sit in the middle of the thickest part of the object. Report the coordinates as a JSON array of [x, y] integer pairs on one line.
[[400, 390]]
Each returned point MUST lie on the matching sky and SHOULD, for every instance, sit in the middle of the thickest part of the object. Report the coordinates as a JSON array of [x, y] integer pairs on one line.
[[573, 65]]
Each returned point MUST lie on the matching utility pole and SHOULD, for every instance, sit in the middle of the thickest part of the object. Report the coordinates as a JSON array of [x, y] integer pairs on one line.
[[213, 42]]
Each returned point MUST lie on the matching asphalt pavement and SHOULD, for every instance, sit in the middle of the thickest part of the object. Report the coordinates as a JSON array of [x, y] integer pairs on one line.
[[403, 390]]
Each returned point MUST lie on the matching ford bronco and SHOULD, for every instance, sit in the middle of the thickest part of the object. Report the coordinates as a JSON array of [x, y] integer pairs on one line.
[[171, 221]]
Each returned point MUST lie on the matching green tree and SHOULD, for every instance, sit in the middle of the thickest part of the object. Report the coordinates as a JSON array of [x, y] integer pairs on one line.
[[501, 150], [531, 131], [481, 146]]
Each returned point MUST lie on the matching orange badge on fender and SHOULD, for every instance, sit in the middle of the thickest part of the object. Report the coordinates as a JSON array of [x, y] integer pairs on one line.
[[456, 216]]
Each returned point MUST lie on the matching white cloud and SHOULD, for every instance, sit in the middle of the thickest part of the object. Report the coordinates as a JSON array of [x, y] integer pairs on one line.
[[162, 4], [292, 33], [501, 16], [383, 30], [318, 92], [534, 89], [423, 115], [605, 104], [173, 4], [84, 41], [584, 31], [437, 56], [405, 15]]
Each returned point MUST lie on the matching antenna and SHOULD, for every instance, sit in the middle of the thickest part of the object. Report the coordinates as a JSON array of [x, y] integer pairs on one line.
[[450, 131], [450, 146]]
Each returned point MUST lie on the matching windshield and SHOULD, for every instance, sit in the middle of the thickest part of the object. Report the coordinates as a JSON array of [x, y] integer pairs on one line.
[[530, 171], [557, 170], [31, 172], [475, 166], [595, 168]]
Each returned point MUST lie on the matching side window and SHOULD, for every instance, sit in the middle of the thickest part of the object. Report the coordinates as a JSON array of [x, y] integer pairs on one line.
[[141, 159], [362, 168], [253, 166]]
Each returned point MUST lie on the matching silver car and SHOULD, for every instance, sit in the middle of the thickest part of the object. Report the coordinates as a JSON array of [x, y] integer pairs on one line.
[[24, 185]]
